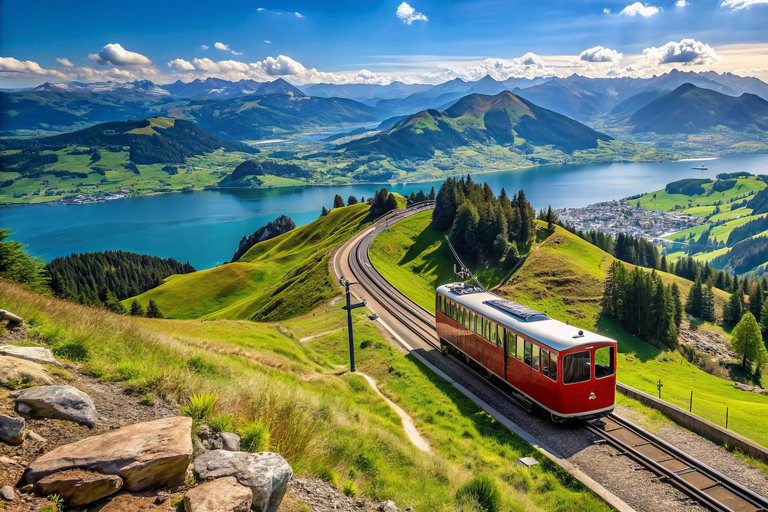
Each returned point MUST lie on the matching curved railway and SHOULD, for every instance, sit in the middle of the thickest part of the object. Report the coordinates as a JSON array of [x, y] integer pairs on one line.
[[709, 487]]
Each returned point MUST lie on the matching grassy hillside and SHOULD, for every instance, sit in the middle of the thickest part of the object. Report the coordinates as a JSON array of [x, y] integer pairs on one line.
[[563, 276], [325, 421], [275, 279]]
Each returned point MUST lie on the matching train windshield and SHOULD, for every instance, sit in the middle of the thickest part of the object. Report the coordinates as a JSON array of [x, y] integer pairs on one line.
[[605, 362], [576, 367]]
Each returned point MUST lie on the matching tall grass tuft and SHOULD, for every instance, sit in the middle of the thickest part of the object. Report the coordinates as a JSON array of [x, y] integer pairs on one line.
[[350, 489], [200, 406], [71, 350], [254, 436], [481, 490], [222, 423]]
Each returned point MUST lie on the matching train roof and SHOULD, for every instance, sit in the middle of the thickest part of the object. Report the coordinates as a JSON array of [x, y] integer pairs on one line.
[[523, 319]]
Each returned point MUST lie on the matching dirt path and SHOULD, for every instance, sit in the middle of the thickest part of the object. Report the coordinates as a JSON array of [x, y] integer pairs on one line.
[[410, 428], [319, 335]]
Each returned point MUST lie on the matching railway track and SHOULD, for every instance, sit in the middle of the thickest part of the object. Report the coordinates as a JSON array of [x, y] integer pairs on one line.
[[709, 487]]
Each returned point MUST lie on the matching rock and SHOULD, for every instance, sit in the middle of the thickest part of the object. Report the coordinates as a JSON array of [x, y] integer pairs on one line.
[[12, 429], [78, 487], [26, 489], [266, 474], [8, 461], [38, 355], [15, 371], [36, 437], [129, 503], [144, 455], [198, 448], [225, 441], [277, 227], [13, 320], [23, 408], [58, 402], [221, 495], [204, 433], [388, 506], [7, 493]]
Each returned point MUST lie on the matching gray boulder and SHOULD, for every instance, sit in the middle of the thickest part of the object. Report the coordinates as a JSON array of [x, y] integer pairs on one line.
[[226, 441], [388, 506], [12, 429], [7, 493], [58, 402], [38, 355], [266, 474]]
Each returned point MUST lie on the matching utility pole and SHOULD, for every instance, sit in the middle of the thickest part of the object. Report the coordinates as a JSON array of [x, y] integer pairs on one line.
[[349, 307]]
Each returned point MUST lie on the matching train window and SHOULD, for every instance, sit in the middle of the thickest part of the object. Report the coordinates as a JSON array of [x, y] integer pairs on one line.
[[535, 358], [553, 366], [528, 349], [494, 338], [465, 317], [576, 367], [519, 351], [605, 362], [499, 336], [545, 362]]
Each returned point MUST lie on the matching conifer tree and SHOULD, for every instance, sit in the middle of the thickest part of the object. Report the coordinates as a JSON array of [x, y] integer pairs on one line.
[[708, 304], [551, 218], [694, 299], [733, 309], [153, 311], [748, 343], [351, 200], [464, 232], [756, 299], [764, 316], [324, 212], [391, 203], [136, 309], [338, 202]]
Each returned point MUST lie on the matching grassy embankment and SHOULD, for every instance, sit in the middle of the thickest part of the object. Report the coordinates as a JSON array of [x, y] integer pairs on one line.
[[563, 277], [325, 421], [704, 205]]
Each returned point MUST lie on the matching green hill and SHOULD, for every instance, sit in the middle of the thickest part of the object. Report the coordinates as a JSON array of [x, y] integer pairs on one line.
[[503, 119], [278, 278], [564, 276], [691, 109]]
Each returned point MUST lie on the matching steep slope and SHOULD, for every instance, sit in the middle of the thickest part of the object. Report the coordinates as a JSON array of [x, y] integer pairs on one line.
[[567, 98], [501, 119], [153, 140], [691, 109]]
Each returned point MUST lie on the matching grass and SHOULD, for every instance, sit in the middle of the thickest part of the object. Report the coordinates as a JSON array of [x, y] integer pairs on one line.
[[278, 278], [699, 204], [563, 276]]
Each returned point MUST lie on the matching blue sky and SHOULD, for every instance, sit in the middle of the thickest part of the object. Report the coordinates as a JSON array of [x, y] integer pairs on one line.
[[421, 40]]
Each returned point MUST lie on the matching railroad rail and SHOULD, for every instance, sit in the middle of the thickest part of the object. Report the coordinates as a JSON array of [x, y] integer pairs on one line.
[[709, 487]]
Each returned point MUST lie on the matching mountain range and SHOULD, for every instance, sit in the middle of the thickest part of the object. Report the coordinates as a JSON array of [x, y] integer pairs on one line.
[[501, 119]]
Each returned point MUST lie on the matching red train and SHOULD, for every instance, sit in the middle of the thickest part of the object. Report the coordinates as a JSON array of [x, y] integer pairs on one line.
[[568, 372]]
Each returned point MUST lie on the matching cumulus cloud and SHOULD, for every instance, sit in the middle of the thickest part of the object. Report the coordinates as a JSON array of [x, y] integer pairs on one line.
[[26, 67], [116, 55], [225, 48], [408, 14], [268, 41], [181, 64], [65, 62], [639, 9], [204, 46], [600, 54], [681, 3], [742, 4], [280, 66], [687, 52]]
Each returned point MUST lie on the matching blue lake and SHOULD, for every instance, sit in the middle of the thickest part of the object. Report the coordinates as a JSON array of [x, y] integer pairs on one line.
[[205, 227]]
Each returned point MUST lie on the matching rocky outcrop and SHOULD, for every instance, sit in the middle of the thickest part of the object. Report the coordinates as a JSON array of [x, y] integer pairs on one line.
[[145, 455], [266, 474], [277, 227], [12, 429], [13, 320], [14, 371], [226, 441], [58, 402], [78, 487], [38, 355], [221, 495]]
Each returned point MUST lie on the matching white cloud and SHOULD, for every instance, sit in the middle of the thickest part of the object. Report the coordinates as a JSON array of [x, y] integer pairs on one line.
[[639, 9], [268, 41], [607, 10], [687, 52], [408, 14], [225, 48], [298, 14], [205, 64], [681, 3], [204, 46], [65, 62], [742, 4], [116, 55], [261, 9], [600, 54], [181, 64], [26, 67], [280, 66]]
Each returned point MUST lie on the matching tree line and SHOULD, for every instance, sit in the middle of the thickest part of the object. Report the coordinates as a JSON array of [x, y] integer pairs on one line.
[[483, 226]]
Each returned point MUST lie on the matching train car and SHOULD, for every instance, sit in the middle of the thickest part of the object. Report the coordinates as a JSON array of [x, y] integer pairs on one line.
[[567, 371]]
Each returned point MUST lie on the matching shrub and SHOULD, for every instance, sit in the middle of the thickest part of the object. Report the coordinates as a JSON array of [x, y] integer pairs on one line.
[[350, 489], [254, 436], [480, 490], [198, 364], [147, 399], [328, 475], [222, 423], [200, 406], [72, 350]]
